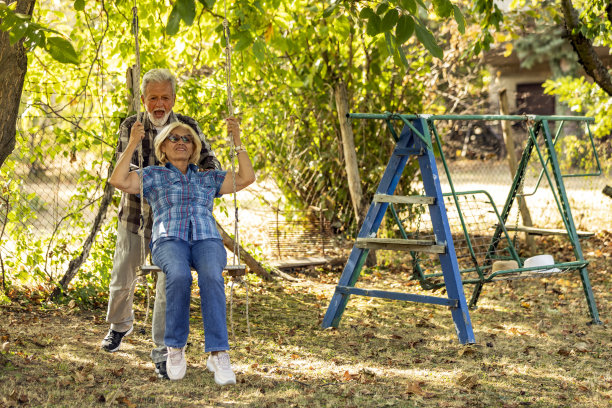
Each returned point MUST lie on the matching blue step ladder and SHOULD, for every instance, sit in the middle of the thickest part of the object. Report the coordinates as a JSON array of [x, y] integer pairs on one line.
[[414, 140]]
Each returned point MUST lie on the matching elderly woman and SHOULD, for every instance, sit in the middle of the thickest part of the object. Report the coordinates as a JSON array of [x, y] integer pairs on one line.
[[185, 235]]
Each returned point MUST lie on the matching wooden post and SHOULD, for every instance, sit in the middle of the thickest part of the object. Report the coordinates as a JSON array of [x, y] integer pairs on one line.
[[348, 145], [512, 164], [133, 91], [350, 160]]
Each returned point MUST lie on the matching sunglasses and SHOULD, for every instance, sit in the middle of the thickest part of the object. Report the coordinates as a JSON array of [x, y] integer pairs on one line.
[[174, 138]]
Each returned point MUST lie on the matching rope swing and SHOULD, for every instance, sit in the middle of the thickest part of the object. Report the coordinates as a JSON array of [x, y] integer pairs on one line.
[[236, 270]]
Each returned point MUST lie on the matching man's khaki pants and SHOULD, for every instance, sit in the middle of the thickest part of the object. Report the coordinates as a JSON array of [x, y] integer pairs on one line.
[[121, 291]]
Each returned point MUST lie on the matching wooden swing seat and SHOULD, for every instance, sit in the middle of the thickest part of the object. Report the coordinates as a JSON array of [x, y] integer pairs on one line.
[[546, 231], [232, 270]]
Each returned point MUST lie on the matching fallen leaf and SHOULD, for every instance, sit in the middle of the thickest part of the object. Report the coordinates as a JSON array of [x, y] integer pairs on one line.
[[347, 376], [468, 381], [118, 372], [466, 351], [6, 346], [581, 347], [125, 401], [564, 352], [425, 323], [414, 388]]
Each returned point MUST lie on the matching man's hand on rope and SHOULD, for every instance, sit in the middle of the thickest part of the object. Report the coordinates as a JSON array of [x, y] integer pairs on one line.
[[137, 133]]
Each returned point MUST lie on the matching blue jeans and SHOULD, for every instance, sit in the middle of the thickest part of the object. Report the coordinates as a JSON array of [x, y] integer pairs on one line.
[[175, 257]]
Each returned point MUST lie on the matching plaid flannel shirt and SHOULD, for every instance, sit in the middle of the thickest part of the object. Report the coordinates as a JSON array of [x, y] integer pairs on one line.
[[129, 207]]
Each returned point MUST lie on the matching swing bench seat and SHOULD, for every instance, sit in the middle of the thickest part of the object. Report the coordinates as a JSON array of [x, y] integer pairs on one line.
[[546, 231], [232, 270]]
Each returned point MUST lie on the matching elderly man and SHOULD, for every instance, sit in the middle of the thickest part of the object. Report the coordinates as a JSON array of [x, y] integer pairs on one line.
[[158, 97]]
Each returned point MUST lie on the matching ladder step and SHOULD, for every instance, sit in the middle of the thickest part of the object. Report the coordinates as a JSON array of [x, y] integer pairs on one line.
[[393, 244], [408, 152], [385, 198], [349, 290]]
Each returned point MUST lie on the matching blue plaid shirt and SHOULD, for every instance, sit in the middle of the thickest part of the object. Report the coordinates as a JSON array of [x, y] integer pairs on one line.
[[182, 204]]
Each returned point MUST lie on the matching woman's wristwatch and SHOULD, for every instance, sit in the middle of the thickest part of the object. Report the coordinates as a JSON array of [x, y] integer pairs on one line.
[[239, 148]]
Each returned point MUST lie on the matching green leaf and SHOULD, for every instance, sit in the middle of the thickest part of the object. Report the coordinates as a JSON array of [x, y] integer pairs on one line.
[[459, 19], [328, 11], [8, 19], [402, 54], [389, 20], [366, 13], [62, 50], [35, 38], [259, 50], [404, 29], [420, 2], [174, 19], [244, 41], [373, 27], [208, 4], [389, 42], [409, 5], [187, 10], [443, 8], [382, 8], [79, 5], [17, 32], [427, 39]]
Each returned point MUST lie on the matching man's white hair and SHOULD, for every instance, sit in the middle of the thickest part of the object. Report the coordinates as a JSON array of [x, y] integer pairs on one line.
[[158, 75]]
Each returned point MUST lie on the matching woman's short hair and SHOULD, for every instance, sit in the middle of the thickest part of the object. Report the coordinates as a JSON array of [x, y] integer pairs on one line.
[[158, 75], [163, 135]]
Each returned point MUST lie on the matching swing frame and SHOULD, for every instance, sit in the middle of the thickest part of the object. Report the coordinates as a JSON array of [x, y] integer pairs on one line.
[[538, 127]]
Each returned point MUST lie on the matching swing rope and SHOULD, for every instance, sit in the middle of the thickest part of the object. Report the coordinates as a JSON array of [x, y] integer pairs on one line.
[[236, 252], [230, 111], [136, 91]]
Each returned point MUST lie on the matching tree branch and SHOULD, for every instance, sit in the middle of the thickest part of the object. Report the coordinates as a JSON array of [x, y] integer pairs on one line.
[[589, 60]]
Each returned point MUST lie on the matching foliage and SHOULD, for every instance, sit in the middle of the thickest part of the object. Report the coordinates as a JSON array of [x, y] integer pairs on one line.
[[539, 33], [287, 59], [35, 35]]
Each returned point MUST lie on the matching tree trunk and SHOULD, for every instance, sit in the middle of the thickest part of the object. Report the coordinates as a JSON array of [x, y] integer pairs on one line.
[[589, 60], [75, 264], [13, 68], [248, 260], [350, 160]]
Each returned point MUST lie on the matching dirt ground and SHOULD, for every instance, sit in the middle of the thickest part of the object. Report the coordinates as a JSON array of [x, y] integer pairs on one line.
[[534, 348]]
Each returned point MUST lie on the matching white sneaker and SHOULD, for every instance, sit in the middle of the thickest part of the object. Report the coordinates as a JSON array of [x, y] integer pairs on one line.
[[176, 364], [220, 365]]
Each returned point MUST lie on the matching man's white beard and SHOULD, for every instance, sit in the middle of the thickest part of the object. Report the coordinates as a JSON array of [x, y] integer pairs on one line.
[[159, 122]]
